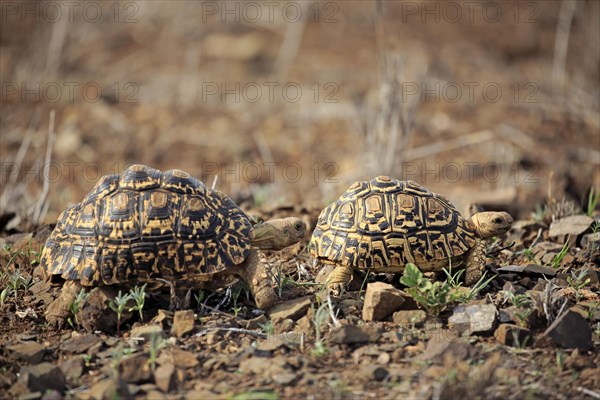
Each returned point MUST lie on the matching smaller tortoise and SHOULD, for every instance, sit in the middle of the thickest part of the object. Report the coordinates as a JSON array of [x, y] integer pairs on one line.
[[383, 224], [150, 227]]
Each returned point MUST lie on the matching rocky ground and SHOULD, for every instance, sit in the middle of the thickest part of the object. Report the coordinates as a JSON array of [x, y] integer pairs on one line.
[[532, 331], [498, 108]]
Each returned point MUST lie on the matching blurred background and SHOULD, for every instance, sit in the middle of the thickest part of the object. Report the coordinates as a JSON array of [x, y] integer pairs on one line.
[[286, 103]]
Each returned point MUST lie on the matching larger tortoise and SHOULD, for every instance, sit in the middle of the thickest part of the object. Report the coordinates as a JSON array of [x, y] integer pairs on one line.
[[155, 227], [383, 224]]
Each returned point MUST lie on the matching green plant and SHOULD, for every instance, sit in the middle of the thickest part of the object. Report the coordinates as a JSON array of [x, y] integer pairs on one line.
[[473, 291], [320, 317], [155, 344], [522, 303], [75, 307], [5, 293], [252, 395], [268, 328], [560, 360], [118, 306], [138, 294], [593, 199], [557, 259], [578, 282], [433, 296], [364, 283]]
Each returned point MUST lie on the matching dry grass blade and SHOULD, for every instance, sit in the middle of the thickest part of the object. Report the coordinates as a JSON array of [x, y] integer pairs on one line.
[[561, 41], [42, 207]]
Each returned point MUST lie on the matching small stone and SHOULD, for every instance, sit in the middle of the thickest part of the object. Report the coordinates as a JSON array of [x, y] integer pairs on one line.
[[292, 309], [349, 334], [109, 389], [30, 352], [513, 335], [164, 377], [147, 331], [162, 318], [477, 318], [571, 331], [443, 346], [79, 344], [183, 323], [572, 225], [591, 241], [42, 377], [135, 369], [370, 373], [284, 378], [179, 357], [383, 358], [72, 368], [407, 318], [381, 300], [255, 323]]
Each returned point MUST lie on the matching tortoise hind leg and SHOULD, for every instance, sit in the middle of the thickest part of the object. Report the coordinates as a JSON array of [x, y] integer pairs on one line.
[[475, 263], [339, 279], [253, 272], [59, 311]]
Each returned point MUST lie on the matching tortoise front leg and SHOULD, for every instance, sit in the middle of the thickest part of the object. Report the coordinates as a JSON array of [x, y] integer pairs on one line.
[[339, 279], [253, 272], [59, 311], [475, 263]]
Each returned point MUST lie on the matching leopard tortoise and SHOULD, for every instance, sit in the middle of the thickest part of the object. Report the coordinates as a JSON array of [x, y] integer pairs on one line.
[[383, 224], [148, 226]]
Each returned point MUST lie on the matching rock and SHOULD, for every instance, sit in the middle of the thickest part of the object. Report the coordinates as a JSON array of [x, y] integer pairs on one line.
[[445, 345], [571, 331], [96, 313], [165, 378], [42, 377], [591, 241], [370, 373], [529, 269], [292, 309], [109, 389], [79, 344], [383, 358], [146, 331], [72, 369], [573, 225], [29, 352], [407, 318], [513, 335], [179, 357], [477, 318], [135, 369], [381, 300], [162, 318], [284, 378], [183, 323], [255, 323], [349, 334]]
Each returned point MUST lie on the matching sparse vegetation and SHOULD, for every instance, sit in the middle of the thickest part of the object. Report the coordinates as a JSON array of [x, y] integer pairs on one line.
[[557, 259], [433, 296], [118, 306], [155, 344], [75, 307], [320, 318], [138, 294], [592, 201]]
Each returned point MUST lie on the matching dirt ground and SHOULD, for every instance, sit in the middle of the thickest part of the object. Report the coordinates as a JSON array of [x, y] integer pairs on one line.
[[282, 105]]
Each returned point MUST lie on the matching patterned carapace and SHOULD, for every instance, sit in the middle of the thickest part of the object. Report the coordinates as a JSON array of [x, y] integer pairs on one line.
[[147, 224], [386, 223]]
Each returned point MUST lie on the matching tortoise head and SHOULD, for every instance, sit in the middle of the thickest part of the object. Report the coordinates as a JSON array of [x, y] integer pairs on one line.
[[277, 234], [491, 223]]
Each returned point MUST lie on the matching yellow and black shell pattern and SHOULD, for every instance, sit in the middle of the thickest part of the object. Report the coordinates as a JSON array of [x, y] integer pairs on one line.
[[386, 223], [147, 224]]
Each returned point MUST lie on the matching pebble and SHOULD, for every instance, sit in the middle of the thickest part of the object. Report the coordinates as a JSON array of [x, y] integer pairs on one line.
[[381, 300]]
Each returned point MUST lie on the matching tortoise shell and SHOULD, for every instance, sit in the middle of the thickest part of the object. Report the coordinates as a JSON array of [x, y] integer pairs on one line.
[[386, 223], [144, 225]]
